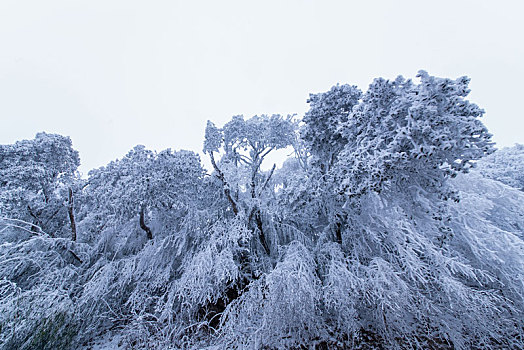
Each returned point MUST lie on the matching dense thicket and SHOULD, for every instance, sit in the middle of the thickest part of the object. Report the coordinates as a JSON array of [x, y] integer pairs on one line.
[[374, 233]]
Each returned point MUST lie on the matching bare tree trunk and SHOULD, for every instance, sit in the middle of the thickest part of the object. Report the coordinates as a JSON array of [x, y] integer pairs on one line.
[[227, 190], [143, 225], [261, 235], [339, 220], [256, 210], [70, 211], [338, 232]]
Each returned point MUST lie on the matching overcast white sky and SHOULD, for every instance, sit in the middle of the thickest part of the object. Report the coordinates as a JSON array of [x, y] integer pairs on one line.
[[113, 74]]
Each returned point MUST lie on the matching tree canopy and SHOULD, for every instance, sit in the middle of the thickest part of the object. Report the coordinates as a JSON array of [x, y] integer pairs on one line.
[[377, 231]]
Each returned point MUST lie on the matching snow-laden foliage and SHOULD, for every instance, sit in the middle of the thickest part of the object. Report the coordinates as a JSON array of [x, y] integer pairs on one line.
[[280, 309], [415, 287], [215, 266], [39, 278], [374, 233], [144, 181], [327, 112], [403, 130], [505, 165], [489, 226]]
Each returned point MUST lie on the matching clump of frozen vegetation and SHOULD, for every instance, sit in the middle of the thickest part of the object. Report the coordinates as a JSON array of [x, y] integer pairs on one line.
[[506, 165], [373, 234]]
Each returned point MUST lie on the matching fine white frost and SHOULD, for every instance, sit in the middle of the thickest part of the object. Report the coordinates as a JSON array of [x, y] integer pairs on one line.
[[394, 223]]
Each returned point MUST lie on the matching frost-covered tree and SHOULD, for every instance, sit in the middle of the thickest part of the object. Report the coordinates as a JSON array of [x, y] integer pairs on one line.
[[403, 134], [402, 142], [36, 181], [245, 144], [127, 281], [144, 181], [241, 243]]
